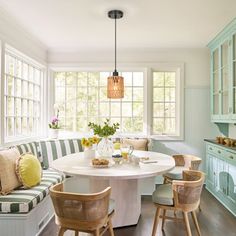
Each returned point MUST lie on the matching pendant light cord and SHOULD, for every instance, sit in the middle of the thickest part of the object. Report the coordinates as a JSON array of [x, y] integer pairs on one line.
[[115, 44]]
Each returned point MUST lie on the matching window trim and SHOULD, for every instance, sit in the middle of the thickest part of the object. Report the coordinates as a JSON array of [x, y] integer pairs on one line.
[[147, 68], [7, 141], [179, 69]]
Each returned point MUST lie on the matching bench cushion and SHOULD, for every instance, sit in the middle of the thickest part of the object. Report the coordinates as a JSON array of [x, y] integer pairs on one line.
[[28, 148], [54, 149], [24, 200]]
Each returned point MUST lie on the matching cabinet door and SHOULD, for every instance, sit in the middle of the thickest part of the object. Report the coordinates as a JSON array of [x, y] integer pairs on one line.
[[231, 182], [224, 80], [233, 51], [221, 175], [215, 83], [211, 171]]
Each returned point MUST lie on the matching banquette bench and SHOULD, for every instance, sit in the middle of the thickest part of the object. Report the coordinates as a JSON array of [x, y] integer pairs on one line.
[[25, 212]]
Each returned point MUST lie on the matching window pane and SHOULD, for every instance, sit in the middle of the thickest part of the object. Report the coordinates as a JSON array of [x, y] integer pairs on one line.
[[138, 79], [128, 94], [18, 107], [158, 79], [158, 109], [170, 109], [81, 124], [170, 126], [138, 94], [104, 109], [93, 79], [92, 102], [170, 79], [158, 125], [59, 78], [127, 109], [82, 79], [71, 78], [127, 125], [137, 124], [18, 87], [82, 109], [170, 94], [22, 96], [115, 109], [103, 78], [158, 94], [127, 78], [138, 109]]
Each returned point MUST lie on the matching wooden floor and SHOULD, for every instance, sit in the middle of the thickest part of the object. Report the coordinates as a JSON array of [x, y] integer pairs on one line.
[[214, 220]]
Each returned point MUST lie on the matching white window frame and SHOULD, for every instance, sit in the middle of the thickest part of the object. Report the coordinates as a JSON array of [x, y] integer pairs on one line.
[[4, 141], [147, 68], [178, 68]]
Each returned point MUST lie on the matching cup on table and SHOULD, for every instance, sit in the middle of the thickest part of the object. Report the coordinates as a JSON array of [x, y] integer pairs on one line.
[[126, 151]]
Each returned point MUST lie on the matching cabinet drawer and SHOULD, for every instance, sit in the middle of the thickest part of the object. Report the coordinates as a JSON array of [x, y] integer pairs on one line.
[[231, 156], [215, 150]]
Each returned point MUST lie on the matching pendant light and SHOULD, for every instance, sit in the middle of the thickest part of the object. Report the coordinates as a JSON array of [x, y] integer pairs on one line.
[[115, 83]]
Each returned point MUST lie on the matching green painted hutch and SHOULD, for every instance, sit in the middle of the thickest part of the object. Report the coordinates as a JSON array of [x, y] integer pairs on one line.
[[221, 160]]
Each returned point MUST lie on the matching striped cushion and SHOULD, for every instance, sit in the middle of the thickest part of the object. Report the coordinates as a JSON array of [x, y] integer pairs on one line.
[[54, 149], [29, 147], [24, 200]]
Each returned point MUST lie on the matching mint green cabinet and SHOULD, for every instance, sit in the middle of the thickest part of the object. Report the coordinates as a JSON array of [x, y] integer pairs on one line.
[[221, 174], [223, 80]]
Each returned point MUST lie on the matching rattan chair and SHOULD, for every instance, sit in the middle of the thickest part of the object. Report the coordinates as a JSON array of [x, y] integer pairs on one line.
[[88, 213], [181, 195], [182, 162]]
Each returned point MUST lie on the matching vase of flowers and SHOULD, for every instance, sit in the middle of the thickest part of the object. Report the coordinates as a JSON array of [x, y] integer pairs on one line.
[[54, 128], [89, 145], [105, 146]]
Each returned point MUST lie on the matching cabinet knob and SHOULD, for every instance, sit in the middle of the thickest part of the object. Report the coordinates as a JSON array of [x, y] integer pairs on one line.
[[219, 151], [231, 157], [210, 148]]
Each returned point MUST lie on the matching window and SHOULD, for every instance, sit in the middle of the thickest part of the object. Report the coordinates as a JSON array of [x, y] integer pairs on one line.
[[83, 98], [166, 103], [21, 96]]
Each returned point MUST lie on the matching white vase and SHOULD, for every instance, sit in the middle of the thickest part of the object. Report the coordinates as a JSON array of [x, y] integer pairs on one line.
[[105, 148], [89, 153], [53, 133]]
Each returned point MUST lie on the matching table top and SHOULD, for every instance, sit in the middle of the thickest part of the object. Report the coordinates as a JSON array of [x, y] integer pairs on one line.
[[76, 164]]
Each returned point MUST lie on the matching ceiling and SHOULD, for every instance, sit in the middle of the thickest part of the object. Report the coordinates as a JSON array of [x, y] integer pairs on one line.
[[68, 25]]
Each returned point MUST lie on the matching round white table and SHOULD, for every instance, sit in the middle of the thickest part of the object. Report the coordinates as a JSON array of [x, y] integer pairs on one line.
[[123, 179]]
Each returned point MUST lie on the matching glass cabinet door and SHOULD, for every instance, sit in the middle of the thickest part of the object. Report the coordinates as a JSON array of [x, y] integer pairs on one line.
[[224, 71], [231, 182], [216, 87], [234, 72]]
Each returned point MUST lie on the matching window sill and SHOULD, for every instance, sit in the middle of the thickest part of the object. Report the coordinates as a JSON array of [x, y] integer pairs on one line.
[[166, 138]]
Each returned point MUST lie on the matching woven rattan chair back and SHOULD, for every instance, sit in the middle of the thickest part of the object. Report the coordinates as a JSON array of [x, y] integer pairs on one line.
[[80, 212]]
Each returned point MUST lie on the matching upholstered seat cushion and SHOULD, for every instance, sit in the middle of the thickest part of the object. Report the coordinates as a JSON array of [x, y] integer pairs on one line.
[[163, 195], [22, 201], [176, 173]]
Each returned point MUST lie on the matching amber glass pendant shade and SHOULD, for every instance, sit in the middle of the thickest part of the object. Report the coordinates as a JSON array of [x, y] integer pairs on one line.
[[115, 87]]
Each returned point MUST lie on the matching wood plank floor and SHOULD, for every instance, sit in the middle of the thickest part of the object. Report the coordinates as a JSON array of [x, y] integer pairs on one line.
[[214, 219]]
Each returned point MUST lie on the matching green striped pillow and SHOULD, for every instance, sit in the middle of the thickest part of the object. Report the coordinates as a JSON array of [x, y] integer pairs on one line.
[[54, 149]]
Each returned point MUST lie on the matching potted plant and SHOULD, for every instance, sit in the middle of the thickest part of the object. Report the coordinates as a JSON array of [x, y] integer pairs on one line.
[[54, 127], [105, 146]]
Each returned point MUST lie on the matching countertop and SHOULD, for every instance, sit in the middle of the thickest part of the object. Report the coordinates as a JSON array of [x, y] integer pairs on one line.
[[221, 145]]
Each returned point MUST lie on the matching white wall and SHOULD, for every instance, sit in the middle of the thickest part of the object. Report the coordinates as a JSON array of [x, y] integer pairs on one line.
[[197, 89]]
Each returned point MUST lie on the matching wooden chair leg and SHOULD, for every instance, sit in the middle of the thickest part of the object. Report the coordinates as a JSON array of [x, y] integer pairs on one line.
[[156, 220], [111, 228], [76, 233], [163, 219], [193, 213], [97, 232], [61, 231], [187, 224]]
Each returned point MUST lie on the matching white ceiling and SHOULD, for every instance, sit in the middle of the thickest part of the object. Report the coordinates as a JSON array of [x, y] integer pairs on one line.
[[63, 25]]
